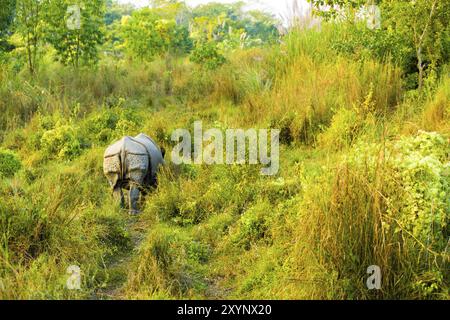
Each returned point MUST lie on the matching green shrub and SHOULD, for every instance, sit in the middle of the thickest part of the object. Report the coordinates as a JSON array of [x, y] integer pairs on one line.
[[417, 188], [109, 124], [100, 127], [127, 127], [208, 55], [385, 204], [61, 143], [9, 163], [106, 119], [253, 225], [198, 251], [361, 43], [344, 128], [422, 168], [38, 126]]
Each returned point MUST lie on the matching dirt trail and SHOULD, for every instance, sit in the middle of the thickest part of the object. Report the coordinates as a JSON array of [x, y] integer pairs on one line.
[[119, 265]]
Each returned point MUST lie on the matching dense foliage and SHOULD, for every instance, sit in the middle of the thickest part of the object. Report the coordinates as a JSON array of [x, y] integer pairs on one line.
[[364, 179]]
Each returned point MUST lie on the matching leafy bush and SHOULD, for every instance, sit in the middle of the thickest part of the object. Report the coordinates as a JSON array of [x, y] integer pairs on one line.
[[61, 143], [110, 124], [39, 125], [418, 186], [198, 252], [344, 128], [253, 225], [147, 35], [363, 43], [396, 197], [422, 167], [208, 55], [347, 124], [9, 163], [127, 127]]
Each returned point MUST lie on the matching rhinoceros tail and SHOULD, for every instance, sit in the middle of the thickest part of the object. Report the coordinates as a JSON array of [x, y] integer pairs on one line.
[[123, 160]]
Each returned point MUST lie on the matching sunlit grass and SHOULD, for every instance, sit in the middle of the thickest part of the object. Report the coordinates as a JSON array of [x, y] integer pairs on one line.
[[218, 231]]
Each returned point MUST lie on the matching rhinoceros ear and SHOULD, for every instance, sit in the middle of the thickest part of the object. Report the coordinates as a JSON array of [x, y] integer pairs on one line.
[[163, 151]]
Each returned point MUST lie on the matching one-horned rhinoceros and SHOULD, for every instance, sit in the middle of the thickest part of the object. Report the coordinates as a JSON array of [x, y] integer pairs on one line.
[[132, 164]]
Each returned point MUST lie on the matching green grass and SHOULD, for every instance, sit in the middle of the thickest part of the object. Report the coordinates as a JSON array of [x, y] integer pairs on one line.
[[212, 232]]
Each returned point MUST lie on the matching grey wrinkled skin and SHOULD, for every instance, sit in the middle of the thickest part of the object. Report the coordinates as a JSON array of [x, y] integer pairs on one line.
[[132, 164]]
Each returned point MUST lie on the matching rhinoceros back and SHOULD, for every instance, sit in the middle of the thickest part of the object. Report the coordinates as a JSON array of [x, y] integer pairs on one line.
[[126, 160], [156, 157]]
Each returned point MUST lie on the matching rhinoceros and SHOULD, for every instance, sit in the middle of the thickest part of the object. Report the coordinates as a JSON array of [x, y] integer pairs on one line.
[[132, 164]]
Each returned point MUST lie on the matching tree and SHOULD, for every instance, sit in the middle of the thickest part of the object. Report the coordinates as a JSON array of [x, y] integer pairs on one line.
[[232, 11], [420, 27], [259, 24], [207, 55], [115, 11], [29, 24], [231, 25], [114, 14], [337, 9], [425, 23], [78, 43], [7, 13], [146, 35]]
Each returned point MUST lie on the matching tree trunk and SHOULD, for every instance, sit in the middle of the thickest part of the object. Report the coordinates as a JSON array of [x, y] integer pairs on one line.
[[420, 66], [30, 55], [77, 54], [419, 44]]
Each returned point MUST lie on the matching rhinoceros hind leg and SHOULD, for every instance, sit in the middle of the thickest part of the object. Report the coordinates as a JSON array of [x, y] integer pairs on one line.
[[118, 196], [134, 199]]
